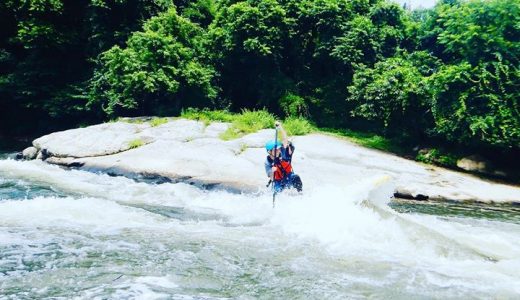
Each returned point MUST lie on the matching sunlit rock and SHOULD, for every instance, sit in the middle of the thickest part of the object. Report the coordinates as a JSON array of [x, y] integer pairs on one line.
[[192, 152], [30, 153]]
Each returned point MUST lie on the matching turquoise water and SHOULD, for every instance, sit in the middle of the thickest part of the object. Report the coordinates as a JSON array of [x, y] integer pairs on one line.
[[74, 234], [486, 211]]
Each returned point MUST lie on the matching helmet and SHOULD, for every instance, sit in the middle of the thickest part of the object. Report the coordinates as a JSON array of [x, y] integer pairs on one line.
[[271, 144]]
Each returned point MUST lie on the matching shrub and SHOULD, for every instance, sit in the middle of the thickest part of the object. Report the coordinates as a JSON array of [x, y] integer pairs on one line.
[[206, 115], [437, 157], [298, 126], [248, 122], [294, 105]]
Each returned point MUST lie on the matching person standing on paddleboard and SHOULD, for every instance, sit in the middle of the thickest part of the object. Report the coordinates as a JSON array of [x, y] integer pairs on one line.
[[278, 165]]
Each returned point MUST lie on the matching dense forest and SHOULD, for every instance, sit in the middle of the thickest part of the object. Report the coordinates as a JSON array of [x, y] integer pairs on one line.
[[449, 75]]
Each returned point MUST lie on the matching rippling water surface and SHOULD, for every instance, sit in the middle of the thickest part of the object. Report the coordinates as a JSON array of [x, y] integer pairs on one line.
[[69, 233]]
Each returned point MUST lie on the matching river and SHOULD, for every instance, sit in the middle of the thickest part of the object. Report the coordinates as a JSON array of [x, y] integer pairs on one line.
[[75, 234]]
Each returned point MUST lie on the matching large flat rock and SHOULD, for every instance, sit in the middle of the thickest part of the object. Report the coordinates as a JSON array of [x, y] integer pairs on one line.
[[98, 140], [192, 152]]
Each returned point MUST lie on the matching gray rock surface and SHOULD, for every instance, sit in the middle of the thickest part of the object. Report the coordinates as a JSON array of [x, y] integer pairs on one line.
[[473, 163], [478, 164], [30, 153], [97, 140], [189, 151]]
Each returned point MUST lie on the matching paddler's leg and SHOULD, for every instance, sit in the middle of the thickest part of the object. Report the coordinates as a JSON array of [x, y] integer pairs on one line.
[[278, 186], [295, 181]]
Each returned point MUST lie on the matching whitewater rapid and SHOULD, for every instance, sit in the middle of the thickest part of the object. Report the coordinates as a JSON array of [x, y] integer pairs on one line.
[[70, 233]]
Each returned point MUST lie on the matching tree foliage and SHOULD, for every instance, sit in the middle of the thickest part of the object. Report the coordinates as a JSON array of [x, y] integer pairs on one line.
[[478, 105], [470, 95], [47, 49], [395, 92], [449, 73], [160, 68]]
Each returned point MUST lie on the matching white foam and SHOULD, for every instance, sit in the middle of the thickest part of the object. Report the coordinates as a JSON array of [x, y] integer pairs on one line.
[[336, 220], [96, 214]]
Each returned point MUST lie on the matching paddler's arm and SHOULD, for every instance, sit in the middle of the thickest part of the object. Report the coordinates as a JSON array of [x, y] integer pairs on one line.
[[285, 141], [269, 169]]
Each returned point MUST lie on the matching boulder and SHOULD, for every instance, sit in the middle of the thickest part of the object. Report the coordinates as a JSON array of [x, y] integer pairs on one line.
[[30, 153], [474, 163], [478, 164], [403, 193], [98, 140], [189, 151], [43, 154]]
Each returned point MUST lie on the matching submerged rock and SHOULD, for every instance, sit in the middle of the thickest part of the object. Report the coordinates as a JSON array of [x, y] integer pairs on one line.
[[403, 193], [18, 156]]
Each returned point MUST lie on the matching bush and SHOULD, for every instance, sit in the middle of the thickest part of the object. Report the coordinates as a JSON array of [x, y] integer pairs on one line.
[[437, 157], [248, 122], [294, 106], [478, 105], [206, 115], [298, 126]]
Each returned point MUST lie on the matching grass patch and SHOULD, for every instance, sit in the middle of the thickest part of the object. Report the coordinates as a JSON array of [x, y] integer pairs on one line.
[[248, 122], [298, 126], [135, 143], [207, 116], [397, 146], [158, 121], [369, 140], [129, 120], [251, 121]]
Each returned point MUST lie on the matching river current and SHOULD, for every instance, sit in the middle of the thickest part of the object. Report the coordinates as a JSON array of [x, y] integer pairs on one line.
[[75, 234]]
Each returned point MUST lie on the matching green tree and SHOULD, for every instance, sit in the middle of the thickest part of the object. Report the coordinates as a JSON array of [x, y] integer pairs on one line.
[[330, 39], [472, 31], [475, 94], [319, 77], [477, 30], [160, 71], [247, 43], [478, 105], [395, 93], [47, 50], [201, 12]]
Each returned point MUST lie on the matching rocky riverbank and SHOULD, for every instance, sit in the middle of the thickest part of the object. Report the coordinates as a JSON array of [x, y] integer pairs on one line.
[[191, 151]]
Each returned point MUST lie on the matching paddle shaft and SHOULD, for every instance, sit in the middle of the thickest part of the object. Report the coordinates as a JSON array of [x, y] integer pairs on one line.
[[274, 160]]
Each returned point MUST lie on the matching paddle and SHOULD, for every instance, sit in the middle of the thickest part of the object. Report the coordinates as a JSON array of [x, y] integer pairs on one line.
[[275, 158]]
